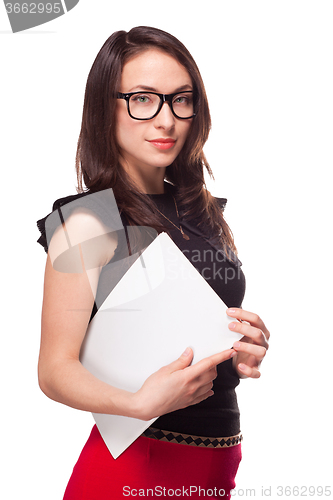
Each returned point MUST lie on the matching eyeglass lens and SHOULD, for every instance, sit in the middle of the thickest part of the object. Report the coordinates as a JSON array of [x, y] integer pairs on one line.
[[145, 105]]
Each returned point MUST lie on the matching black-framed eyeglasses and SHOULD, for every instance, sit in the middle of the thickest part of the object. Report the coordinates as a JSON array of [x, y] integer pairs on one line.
[[147, 105]]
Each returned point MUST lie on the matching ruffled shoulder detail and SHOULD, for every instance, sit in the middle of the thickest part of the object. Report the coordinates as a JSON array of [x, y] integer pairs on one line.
[[42, 240], [221, 202], [231, 255]]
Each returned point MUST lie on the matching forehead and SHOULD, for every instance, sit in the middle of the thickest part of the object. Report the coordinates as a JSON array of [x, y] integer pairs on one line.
[[155, 69]]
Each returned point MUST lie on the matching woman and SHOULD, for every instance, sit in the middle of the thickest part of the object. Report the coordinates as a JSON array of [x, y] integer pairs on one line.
[[145, 121]]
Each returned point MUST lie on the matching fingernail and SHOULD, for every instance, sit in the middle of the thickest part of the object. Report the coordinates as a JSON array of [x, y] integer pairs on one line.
[[234, 353], [241, 366], [186, 352], [231, 311], [232, 325], [237, 345]]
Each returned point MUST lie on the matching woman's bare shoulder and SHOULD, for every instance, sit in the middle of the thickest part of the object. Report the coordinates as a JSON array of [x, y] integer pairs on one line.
[[83, 238]]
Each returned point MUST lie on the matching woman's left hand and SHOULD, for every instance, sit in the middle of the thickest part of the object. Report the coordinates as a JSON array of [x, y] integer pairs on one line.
[[252, 348]]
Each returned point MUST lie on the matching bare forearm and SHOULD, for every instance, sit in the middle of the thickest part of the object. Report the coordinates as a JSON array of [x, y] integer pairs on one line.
[[170, 388], [68, 382]]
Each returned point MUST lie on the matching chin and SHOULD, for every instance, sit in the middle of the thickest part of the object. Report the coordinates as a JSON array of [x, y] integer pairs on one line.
[[163, 160]]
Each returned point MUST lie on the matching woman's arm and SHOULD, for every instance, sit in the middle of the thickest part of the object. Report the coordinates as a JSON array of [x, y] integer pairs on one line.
[[67, 305]]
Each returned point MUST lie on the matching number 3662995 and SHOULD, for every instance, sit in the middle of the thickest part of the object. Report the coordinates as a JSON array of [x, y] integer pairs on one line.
[[33, 8]]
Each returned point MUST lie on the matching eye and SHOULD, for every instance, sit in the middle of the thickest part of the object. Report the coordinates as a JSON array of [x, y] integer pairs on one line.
[[141, 99], [183, 99]]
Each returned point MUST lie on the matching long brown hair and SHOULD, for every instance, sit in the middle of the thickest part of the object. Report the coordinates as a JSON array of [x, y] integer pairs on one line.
[[97, 158]]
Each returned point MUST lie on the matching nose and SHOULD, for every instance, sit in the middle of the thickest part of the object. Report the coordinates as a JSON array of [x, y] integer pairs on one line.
[[165, 119]]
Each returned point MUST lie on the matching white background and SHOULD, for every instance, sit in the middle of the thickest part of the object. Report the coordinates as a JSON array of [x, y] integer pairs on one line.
[[267, 66]]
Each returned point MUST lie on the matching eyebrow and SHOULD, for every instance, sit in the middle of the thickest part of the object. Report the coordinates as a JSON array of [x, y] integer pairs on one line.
[[152, 89]]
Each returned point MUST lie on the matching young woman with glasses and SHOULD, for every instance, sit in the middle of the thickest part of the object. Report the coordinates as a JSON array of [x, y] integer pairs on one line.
[[145, 122]]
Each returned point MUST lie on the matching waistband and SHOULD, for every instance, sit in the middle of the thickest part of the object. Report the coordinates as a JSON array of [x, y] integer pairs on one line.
[[188, 439]]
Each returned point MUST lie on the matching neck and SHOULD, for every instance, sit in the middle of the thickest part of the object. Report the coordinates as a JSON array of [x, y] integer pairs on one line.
[[148, 181]]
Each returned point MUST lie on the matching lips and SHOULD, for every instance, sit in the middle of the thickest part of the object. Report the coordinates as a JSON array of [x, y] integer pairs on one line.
[[161, 143]]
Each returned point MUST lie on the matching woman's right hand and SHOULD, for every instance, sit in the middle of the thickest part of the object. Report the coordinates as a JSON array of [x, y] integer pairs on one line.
[[178, 385]]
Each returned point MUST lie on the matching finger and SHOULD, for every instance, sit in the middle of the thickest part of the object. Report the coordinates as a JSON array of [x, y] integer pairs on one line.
[[202, 397], [247, 371], [254, 333], [258, 351], [252, 318], [182, 362], [205, 378], [204, 389], [211, 362]]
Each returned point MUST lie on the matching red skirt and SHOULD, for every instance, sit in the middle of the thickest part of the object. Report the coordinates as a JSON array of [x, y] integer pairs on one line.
[[152, 468]]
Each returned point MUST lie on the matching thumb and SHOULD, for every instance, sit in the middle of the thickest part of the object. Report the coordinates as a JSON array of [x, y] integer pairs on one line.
[[183, 361]]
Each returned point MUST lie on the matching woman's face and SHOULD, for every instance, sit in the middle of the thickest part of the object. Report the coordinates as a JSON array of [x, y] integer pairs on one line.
[[141, 151]]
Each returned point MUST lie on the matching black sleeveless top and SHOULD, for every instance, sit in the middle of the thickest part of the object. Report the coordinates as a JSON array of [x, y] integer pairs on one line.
[[219, 414]]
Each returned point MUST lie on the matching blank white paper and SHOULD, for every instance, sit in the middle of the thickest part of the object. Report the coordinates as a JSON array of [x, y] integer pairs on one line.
[[160, 306]]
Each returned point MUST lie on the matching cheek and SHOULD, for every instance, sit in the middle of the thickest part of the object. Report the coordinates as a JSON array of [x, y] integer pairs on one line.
[[125, 131]]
